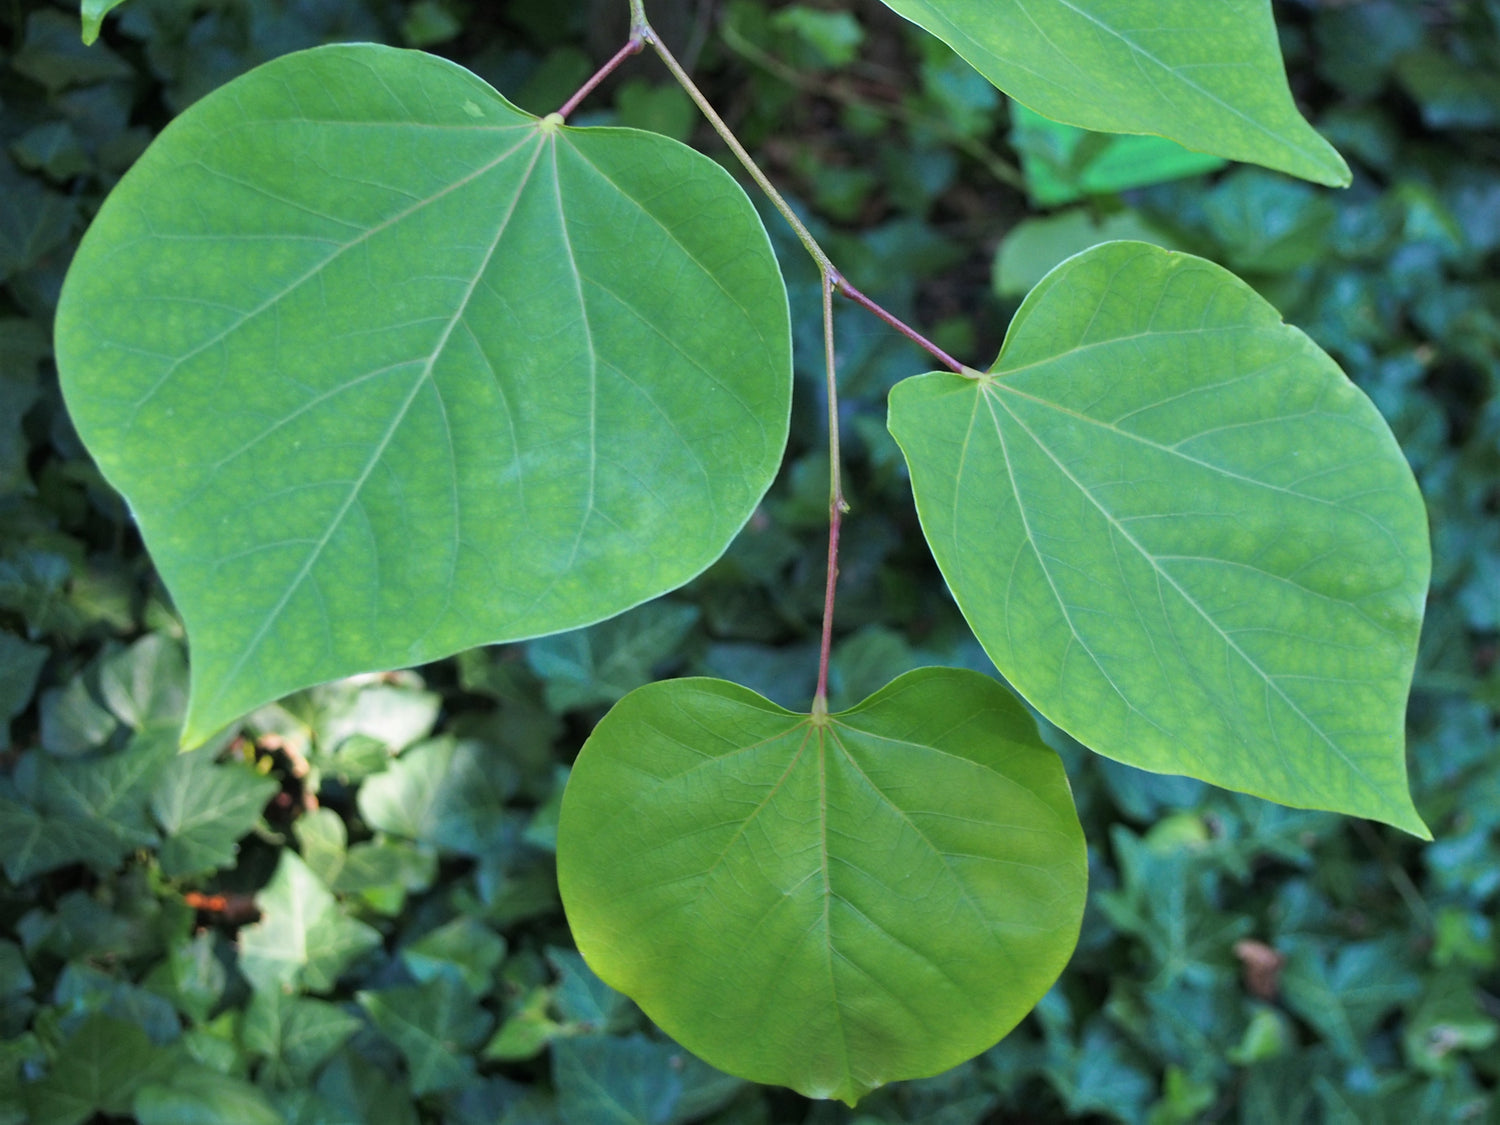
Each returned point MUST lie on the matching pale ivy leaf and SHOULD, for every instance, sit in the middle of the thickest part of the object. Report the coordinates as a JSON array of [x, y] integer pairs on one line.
[[531, 433], [436, 1025], [1181, 532], [382, 872], [395, 714], [146, 684], [303, 937], [448, 794], [824, 902], [204, 808], [74, 721], [323, 841], [1062, 163], [1209, 76]]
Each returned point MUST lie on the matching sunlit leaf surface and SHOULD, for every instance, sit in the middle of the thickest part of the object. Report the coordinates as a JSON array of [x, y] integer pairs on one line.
[[828, 904], [388, 368], [1181, 532]]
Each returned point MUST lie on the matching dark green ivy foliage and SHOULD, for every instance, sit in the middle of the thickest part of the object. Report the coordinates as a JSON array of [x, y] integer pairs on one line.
[[346, 912]]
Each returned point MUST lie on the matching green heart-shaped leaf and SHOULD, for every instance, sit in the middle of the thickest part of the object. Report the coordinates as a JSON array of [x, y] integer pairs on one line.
[[1181, 532], [1206, 73], [388, 368], [824, 902]]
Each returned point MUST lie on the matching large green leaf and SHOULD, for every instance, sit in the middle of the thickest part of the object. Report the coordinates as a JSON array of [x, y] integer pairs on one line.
[[1181, 532], [824, 902], [1206, 74], [388, 368]]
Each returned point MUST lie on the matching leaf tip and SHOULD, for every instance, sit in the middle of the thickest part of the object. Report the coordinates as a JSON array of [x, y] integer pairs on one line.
[[1410, 821], [1333, 170]]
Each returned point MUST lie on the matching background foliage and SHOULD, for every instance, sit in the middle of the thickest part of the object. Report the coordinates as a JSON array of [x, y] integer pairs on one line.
[[1239, 961]]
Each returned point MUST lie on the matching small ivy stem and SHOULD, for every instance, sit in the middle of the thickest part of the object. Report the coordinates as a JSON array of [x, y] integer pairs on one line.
[[899, 325], [632, 47], [640, 28], [836, 503]]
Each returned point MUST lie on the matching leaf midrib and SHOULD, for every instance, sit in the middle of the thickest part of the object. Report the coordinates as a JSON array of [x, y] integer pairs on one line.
[[1151, 559]]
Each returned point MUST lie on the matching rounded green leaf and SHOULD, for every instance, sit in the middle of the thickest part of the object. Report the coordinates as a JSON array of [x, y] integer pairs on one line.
[[828, 903], [1206, 73], [1181, 532], [387, 368]]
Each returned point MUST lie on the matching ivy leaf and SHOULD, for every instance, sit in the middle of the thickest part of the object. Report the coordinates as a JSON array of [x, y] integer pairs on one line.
[[436, 1026], [603, 663], [582, 998], [53, 55], [1062, 163], [204, 809], [20, 664], [145, 684], [1182, 533], [192, 976], [1209, 76], [363, 1093], [303, 938], [465, 948], [608, 1080], [98, 1071], [827, 903], [81, 988], [89, 811], [445, 793], [342, 461], [196, 1095], [1346, 991], [294, 1034]]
